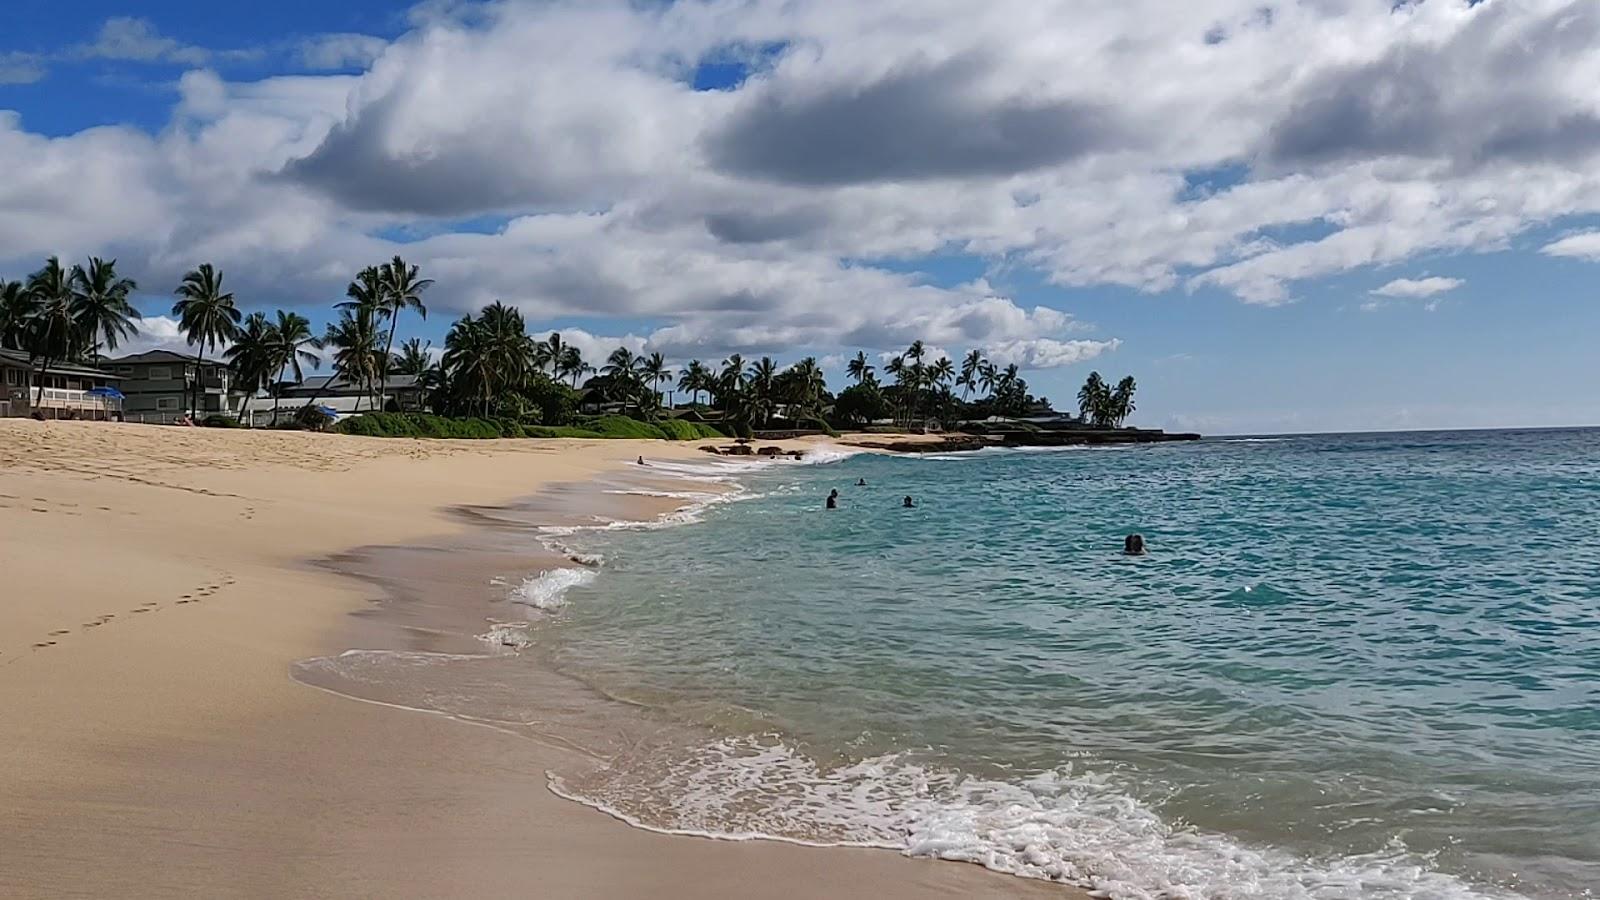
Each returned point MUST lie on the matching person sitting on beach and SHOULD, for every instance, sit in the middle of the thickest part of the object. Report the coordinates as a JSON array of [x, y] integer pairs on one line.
[[908, 503], [641, 460], [833, 499], [1133, 545]]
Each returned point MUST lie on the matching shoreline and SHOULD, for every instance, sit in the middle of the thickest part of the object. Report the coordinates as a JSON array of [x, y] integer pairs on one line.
[[158, 740]]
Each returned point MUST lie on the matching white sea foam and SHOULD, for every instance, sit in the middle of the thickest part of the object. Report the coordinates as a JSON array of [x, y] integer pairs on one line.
[[1067, 826], [507, 634], [823, 454], [547, 590]]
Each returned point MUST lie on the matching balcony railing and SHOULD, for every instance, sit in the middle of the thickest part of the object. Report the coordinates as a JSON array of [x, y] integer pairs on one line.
[[82, 401]]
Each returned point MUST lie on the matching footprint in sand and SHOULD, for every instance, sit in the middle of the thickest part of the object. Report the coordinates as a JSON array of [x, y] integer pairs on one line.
[[45, 644], [60, 631]]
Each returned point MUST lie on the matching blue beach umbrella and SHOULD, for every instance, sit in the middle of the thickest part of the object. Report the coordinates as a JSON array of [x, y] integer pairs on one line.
[[328, 411], [109, 393]]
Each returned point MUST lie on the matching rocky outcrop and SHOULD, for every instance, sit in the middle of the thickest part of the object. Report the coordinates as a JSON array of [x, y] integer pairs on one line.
[[961, 443]]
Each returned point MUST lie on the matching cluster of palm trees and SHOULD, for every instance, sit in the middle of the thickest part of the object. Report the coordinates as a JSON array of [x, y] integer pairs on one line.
[[924, 390], [754, 393], [1105, 406], [490, 365], [63, 315], [264, 351]]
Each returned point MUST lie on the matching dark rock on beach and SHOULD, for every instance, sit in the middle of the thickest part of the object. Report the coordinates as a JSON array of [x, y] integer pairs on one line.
[[961, 443]]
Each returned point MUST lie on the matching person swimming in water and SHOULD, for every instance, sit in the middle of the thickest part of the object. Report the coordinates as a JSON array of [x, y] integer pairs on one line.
[[833, 499], [908, 503], [861, 482], [1133, 545]]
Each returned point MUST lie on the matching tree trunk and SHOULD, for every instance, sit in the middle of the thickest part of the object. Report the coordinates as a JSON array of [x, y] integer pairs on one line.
[[277, 392], [383, 385], [44, 368], [199, 369]]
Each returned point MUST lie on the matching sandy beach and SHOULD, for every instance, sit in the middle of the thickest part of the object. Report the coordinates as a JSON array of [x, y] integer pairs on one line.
[[158, 585]]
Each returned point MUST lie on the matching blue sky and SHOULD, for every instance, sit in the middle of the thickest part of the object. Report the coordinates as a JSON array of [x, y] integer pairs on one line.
[[806, 180]]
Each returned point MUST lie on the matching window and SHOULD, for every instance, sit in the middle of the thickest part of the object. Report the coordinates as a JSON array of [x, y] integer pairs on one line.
[[160, 373], [166, 404], [124, 370], [14, 377]]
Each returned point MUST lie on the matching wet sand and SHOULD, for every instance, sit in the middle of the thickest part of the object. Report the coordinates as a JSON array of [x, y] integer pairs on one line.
[[158, 587]]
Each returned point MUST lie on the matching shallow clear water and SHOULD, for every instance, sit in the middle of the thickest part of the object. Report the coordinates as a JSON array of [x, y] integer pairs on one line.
[[1350, 666]]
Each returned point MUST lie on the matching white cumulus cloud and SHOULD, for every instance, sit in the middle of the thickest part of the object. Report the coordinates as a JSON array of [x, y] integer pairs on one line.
[[1584, 245], [1418, 287]]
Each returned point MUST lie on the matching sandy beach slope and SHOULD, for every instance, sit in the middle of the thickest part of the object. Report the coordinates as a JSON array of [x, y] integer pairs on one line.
[[155, 586]]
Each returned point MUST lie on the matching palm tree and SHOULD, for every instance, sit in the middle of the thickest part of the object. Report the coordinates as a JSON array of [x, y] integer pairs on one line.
[[17, 306], [51, 329], [694, 378], [510, 350], [763, 374], [1121, 405], [858, 367], [413, 359], [572, 364], [253, 355], [941, 371], [971, 366], [206, 315], [730, 382], [1094, 400], [916, 351], [548, 352], [468, 360], [988, 378], [294, 335], [103, 311], [485, 357], [806, 385], [653, 369], [354, 338], [401, 290], [622, 365]]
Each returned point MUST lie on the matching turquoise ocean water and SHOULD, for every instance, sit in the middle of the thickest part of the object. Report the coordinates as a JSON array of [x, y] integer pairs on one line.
[[1350, 666]]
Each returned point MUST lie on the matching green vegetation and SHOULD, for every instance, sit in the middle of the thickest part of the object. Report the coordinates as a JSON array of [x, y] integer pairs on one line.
[[493, 379], [66, 315], [1104, 406], [423, 425]]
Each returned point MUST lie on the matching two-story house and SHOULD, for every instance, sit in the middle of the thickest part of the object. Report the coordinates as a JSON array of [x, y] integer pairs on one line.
[[160, 385], [71, 391]]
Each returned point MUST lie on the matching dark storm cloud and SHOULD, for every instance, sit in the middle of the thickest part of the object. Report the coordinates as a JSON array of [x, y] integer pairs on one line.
[[460, 175], [917, 123], [752, 227], [1476, 99]]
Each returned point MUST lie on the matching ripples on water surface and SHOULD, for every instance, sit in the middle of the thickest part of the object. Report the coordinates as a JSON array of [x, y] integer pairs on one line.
[[1351, 666]]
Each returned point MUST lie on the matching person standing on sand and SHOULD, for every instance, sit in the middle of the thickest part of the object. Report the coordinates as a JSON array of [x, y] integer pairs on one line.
[[833, 499]]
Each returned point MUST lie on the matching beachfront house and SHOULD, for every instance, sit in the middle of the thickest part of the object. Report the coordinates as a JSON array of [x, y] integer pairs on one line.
[[159, 386], [345, 397], [71, 391]]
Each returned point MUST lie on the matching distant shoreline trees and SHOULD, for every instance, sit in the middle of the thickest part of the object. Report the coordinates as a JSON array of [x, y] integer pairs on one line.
[[1104, 406], [491, 367]]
